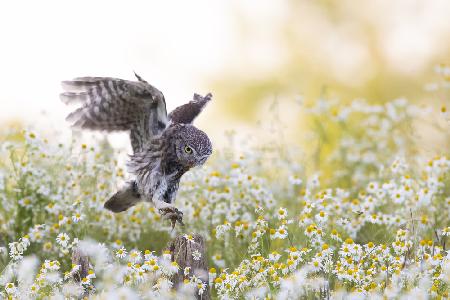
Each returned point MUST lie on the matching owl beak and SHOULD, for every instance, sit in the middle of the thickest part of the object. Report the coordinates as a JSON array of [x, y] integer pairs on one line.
[[203, 159]]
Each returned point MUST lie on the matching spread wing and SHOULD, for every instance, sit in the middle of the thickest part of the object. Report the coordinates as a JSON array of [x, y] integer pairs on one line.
[[112, 104], [186, 113]]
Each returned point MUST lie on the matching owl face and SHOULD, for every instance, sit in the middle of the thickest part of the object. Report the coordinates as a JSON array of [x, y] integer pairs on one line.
[[192, 145]]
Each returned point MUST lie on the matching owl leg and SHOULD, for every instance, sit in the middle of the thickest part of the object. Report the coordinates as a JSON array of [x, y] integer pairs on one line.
[[169, 212]]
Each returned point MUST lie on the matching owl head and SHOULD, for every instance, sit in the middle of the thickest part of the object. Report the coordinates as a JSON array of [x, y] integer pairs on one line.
[[192, 146]]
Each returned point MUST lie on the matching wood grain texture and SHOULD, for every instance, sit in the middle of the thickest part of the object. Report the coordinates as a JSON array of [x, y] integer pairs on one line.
[[79, 258], [181, 250]]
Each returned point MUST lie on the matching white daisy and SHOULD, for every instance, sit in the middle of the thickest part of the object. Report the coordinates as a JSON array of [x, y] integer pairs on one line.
[[121, 253], [295, 180], [196, 255], [62, 239], [77, 217]]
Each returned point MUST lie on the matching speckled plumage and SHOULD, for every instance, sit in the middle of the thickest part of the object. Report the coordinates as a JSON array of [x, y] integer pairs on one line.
[[164, 146], [157, 166]]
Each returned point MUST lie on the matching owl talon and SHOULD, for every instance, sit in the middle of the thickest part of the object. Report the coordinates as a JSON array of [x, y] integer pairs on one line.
[[173, 214]]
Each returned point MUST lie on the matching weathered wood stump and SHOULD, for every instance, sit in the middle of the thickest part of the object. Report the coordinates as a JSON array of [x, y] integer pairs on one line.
[[187, 252], [183, 251], [79, 258]]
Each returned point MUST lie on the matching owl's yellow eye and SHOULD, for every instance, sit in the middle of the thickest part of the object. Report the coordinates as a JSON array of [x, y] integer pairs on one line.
[[187, 149]]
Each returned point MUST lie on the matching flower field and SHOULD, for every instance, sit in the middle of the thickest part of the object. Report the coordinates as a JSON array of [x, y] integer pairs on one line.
[[365, 215]]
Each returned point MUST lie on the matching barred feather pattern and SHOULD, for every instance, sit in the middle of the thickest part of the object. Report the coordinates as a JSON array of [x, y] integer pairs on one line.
[[186, 113], [112, 104], [157, 168], [159, 141], [146, 165]]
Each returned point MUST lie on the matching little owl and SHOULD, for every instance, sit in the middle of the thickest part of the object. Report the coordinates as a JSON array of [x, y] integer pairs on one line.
[[164, 146]]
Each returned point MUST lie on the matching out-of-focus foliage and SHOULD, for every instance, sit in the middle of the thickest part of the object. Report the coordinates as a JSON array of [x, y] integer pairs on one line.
[[376, 49], [368, 216]]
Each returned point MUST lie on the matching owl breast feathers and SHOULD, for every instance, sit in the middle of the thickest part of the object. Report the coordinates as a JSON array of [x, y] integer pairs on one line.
[[164, 146]]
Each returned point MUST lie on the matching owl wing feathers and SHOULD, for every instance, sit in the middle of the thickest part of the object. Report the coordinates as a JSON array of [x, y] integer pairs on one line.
[[112, 104], [186, 113]]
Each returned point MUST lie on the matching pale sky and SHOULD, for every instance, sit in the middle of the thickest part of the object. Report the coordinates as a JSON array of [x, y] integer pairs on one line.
[[178, 46], [173, 45]]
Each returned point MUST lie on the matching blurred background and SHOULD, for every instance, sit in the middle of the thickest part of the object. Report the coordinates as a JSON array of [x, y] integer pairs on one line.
[[249, 54]]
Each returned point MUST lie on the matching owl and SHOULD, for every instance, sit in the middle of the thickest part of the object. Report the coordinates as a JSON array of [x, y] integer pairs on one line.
[[165, 146]]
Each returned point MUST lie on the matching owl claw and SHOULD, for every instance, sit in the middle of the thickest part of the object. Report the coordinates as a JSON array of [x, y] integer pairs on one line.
[[173, 214]]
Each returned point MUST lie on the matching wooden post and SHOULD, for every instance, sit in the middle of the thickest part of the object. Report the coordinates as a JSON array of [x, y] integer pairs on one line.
[[79, 258], [182, 251]]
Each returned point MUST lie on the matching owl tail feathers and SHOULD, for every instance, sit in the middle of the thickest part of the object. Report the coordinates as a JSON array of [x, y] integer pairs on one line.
[[123, 199]]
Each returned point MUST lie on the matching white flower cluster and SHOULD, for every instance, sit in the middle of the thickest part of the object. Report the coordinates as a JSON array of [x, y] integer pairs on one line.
[[368, 220]]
